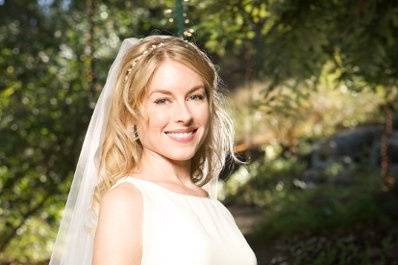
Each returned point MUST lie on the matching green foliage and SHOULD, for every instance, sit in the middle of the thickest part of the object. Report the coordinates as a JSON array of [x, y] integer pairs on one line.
[[288, 118], [264, 182], [293, 208], [55, 56], [55, 59], [320, 209], [284, 41], [343, 249], [322, 223], [34, 245]]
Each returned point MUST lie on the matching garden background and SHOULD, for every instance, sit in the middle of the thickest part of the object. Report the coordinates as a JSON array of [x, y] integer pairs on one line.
[[312, 87]]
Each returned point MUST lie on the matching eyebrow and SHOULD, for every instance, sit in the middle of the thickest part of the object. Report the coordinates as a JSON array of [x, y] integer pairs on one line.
[[169, 93]]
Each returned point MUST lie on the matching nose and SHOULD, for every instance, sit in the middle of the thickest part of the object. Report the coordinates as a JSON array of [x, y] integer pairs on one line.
[[182, 113]]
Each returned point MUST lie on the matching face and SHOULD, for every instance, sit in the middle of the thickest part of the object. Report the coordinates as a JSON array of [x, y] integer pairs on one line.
[[176, 112]]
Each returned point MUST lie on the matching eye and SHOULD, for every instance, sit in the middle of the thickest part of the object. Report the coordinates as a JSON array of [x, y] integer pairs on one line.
[[198, 97], [161, 101]]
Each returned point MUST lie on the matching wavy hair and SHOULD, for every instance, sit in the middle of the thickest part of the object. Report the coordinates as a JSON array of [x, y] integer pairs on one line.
[[120, 152]]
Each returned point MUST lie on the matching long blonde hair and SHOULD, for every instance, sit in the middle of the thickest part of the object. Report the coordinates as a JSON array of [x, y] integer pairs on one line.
[[120, 152]]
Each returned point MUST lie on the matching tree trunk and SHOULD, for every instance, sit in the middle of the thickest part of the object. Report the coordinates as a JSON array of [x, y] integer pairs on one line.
[[89, 50], [179, 17], [385, 143]]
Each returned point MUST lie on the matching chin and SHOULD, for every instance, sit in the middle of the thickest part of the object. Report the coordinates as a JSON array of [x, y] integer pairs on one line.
[[180, 156]]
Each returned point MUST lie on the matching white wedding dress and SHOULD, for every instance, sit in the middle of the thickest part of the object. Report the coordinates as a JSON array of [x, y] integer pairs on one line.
[[182, 229]]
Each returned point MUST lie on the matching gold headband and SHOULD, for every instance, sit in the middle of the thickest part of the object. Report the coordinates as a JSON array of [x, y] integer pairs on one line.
[[135, 61]]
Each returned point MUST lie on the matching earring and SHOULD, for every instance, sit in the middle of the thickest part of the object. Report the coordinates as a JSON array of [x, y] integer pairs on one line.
[[134, 133]]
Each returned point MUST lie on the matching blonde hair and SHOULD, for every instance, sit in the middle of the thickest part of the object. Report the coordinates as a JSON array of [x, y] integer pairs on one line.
[[120, 152]]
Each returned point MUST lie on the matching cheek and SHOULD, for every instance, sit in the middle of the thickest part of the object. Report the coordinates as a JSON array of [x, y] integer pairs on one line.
[[203, 114], [157, 118]]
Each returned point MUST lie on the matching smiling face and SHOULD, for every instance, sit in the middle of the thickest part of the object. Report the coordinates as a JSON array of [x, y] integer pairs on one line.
[[176, 112]]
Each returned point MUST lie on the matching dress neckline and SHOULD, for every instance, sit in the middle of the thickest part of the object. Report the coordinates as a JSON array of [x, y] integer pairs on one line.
[[171, 191]]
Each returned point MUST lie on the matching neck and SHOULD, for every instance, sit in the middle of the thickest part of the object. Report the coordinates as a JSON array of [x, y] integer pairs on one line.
[[160, 168]]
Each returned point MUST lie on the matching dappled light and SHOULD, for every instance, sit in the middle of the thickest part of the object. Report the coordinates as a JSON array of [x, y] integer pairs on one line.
[[312, 88]]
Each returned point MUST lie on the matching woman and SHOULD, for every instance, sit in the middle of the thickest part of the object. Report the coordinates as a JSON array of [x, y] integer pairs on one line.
[[161, 137]]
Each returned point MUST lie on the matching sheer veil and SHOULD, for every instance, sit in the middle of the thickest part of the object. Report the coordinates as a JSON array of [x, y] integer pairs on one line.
[[74, 242]]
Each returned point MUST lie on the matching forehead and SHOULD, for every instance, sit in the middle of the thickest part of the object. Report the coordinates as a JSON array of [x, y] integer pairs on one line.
[[174, 77]]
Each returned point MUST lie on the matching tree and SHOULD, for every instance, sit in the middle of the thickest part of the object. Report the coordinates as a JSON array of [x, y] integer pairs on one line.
[[55, 57], [293, 41]]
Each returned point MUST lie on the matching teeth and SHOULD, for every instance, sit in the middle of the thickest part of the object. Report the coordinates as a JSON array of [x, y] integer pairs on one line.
[[181, 135]]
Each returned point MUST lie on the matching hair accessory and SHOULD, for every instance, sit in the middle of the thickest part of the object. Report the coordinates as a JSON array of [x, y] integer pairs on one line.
[[135, 61], [135, 133]]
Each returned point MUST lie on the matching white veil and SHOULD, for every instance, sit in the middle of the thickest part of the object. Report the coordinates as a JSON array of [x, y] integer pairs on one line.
[[74, 242]]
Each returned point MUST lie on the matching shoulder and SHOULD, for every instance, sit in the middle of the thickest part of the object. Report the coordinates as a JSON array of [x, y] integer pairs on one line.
[[226, 211], [122, 194], [119, 226], [122, 201]]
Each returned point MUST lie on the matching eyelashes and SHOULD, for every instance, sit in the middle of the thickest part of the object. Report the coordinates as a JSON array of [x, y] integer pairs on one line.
[[160, 101], [196, 97], [199, 96]]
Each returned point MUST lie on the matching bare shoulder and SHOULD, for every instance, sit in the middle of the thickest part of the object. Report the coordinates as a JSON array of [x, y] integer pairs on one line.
[[124, 200], [122, 194], [118, 237]]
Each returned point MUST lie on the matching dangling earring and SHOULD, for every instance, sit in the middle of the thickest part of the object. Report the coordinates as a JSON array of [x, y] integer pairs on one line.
[[134, 133]]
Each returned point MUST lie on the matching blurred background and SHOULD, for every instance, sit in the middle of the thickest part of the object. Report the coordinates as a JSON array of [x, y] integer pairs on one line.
[[312, 86]]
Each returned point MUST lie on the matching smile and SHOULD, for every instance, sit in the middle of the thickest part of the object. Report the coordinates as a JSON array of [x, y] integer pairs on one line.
[[182, 137]]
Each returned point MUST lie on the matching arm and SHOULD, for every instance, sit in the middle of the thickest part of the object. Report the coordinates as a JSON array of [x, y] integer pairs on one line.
[[118, 237]]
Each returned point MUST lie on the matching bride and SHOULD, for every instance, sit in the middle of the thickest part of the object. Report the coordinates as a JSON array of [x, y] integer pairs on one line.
[[145, 186]]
